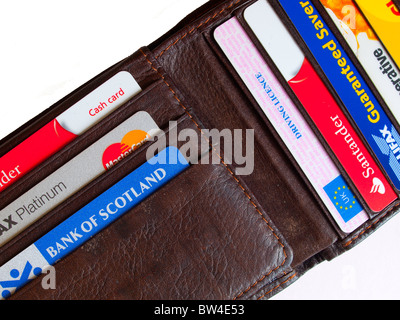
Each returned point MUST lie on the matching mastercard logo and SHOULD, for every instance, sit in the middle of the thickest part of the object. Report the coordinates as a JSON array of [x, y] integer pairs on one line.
[[118, 151]]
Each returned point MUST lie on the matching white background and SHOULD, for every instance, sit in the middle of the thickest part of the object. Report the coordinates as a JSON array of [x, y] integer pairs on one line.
[[49, 48]]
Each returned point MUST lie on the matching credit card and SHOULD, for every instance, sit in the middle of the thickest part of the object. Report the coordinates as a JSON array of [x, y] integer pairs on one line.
[[291, 126], [91, 219], [75, 174], [370, 52], [321, 106], [357, 97], [65, 128], [384, 17]]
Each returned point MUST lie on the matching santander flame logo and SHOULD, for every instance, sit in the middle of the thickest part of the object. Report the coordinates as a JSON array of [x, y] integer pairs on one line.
[[118, 151], [378, 186]]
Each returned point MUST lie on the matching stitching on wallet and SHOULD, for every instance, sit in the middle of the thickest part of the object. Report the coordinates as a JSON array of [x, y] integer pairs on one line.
[[230, 171], [195, 28], [276, 287], [369, 227]]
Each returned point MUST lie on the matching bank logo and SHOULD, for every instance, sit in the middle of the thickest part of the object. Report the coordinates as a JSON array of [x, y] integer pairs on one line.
[[343, 199], [389, 145], [378, 186], [18, 279], [118, 151]]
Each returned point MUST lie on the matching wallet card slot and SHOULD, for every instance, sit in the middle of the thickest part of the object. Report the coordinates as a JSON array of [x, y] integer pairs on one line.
[[367, 227], [186, 233], [155, 100], [354, 220], [206, 85], [155, 103], [347, 220], [243, 58], [196, 215], [215, 97]]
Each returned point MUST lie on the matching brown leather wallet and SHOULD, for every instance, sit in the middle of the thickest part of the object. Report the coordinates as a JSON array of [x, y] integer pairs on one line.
[[209, 234]]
